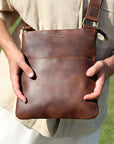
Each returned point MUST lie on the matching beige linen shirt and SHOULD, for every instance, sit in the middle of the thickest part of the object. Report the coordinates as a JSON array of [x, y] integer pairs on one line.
[[55, 14]]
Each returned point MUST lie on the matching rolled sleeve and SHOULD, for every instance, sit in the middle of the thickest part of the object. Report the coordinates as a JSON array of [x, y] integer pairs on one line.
[[5, 5], [7, 12]]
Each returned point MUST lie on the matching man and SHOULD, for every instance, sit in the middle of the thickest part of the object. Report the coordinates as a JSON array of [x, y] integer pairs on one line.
[[57, 14]]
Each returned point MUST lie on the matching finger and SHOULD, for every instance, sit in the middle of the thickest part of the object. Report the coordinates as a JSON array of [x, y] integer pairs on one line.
[[27, 69], [97, 90], [16, 87], [95, 68]]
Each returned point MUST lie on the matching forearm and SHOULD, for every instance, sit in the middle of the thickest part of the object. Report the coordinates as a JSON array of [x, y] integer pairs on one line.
[[6, 41], [110, 65], [15, 58]]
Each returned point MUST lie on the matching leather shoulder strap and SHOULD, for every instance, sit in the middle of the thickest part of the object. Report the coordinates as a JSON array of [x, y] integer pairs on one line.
[[92, 13], [27, 27], [93, 10]]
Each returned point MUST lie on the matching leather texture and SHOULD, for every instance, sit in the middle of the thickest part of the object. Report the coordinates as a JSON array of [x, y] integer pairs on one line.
[[93, 10], [60, 59]]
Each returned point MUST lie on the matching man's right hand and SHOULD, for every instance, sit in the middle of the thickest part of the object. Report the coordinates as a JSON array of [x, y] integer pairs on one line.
[[17, 62], [15, 58]]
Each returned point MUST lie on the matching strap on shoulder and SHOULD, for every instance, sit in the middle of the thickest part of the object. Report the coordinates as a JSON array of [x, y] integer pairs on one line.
[[92, 13], [93, 10]]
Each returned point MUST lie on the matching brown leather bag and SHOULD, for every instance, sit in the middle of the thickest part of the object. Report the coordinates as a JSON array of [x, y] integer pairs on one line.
[[60, 59]]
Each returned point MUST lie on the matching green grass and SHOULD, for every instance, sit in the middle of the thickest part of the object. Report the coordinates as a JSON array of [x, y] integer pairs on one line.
[[14, 26], [107, 129]]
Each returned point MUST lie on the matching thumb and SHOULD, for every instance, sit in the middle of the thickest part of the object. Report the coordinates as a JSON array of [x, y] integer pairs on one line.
[[27, 69], [94, 69]]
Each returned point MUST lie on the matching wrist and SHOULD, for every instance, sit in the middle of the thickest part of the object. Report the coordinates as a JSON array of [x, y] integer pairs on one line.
[[9, 48], [110, 65], [11, 51]]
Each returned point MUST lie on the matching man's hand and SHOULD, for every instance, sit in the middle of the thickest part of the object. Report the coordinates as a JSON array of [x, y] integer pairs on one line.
[[15, 58], [17, 62], [104, 69]]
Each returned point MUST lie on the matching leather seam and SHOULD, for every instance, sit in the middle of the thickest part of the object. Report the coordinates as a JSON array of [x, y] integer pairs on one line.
[[62, 58]]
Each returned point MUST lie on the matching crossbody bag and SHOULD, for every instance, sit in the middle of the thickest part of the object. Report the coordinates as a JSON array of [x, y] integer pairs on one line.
[[60, 59]]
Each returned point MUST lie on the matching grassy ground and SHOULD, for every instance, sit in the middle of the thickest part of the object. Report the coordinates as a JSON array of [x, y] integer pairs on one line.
[[107, 130]]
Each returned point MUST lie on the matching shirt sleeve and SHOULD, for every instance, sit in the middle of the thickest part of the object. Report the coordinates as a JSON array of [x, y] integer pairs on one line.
[[7, 12]]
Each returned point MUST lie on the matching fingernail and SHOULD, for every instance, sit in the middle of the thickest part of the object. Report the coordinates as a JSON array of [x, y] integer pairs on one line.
[[89, 73], [24, 100], [30, 74], [86, 97]]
